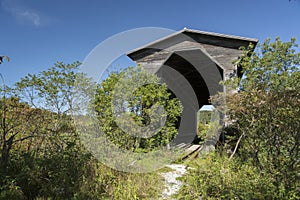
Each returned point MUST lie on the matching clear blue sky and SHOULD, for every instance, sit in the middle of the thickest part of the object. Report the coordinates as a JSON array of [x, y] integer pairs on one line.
[[36, 34]]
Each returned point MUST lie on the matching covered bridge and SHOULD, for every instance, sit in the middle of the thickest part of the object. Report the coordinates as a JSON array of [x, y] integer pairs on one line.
[[192, 63]]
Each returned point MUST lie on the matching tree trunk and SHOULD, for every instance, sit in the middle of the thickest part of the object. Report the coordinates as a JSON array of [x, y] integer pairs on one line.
[[5, 154]]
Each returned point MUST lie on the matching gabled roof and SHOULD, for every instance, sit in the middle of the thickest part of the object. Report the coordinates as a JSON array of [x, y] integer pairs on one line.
[[199, 33], [219, 35]]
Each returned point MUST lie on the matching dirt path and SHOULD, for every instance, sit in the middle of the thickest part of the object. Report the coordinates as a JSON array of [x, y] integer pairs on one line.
[[172, 185]]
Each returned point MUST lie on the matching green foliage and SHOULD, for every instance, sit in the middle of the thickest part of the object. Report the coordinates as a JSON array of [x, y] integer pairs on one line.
[[266, 113], [272, 67], [44, 158], [18, 123], [204, 124], [137, 107], [263, 137], [101, 182], [202, 131], [217, 177], [52, 89], [10, 190]]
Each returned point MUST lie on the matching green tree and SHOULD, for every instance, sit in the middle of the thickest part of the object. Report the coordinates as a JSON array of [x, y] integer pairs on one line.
[[18, 123], [266, 113], [56, 158], [138, 107], [264, 131], [40, 150], [54, 90], [45, 157]]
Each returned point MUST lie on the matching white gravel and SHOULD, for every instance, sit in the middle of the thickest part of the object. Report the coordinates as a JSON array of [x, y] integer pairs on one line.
[[171, 182]]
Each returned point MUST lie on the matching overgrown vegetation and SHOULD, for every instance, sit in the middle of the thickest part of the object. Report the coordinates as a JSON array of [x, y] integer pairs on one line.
[[138, 105], [41, 154], [260, 158], [42, 157], [204, 124]]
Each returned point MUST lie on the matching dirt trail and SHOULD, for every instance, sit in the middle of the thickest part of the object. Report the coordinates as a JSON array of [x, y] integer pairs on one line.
[[173, 185]]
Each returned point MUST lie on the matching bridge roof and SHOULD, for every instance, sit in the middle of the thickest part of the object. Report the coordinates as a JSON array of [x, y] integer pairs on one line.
[[232, 41]]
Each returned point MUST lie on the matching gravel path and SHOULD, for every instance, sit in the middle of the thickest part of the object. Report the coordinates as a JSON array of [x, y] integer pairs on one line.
[[172, 185]]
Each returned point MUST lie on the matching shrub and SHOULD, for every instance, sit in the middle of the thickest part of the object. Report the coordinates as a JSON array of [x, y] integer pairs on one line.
[[217, 177]]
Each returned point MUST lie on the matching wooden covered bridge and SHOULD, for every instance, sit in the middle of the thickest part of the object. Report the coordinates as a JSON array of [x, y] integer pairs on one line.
[[192, 63]]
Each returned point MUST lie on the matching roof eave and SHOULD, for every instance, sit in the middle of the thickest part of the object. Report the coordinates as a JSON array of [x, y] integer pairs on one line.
[[250, 40]]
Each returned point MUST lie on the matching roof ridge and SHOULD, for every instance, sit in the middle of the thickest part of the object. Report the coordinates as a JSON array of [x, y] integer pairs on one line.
[[193, 31], [218, 34]]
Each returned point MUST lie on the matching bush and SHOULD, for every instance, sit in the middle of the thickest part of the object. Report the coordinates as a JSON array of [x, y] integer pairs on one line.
[[10, 191], [101, 182], [217, 177]]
